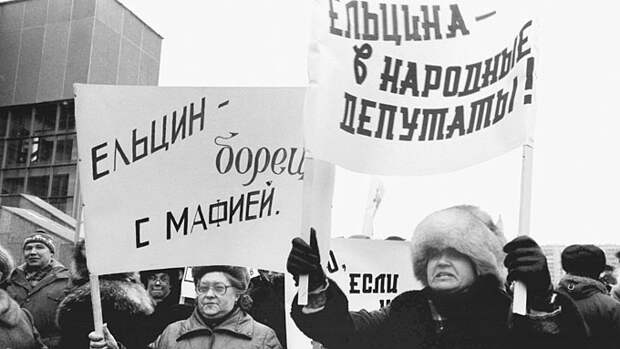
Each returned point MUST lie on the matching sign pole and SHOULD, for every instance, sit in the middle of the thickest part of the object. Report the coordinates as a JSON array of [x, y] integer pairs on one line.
[[519, 305], [302, 292], [375, 195], [96, 301]]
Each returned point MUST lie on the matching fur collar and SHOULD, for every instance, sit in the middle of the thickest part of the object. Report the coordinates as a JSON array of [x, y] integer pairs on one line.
[[117, 296], [580, 287]]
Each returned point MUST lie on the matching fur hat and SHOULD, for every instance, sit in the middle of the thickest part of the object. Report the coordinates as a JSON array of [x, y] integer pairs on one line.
[[583, 260], [238, 276], [6, 264], [468, 230], [42, 237]]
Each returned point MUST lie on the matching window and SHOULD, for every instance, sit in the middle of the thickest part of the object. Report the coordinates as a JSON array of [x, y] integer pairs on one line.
[[65, 149], [66, 122], [42, 150], [20, 122], [17, 152], [4, 119], [60, 185], [38, 185], [45, 118], [13, 185]]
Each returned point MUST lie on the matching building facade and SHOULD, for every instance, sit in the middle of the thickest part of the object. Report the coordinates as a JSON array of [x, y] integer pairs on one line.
[[45, 47]]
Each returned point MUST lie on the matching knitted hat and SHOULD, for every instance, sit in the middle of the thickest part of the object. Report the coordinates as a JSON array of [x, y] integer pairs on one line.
[[6, 264], [468, 230], [238, 276], [42, 237], [583, 260]]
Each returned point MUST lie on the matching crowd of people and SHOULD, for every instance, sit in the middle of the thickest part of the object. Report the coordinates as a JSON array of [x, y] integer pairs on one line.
[[459, 254]]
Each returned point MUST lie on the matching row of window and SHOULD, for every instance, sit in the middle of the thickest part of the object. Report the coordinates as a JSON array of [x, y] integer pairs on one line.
[[38, 152], [37, 120]]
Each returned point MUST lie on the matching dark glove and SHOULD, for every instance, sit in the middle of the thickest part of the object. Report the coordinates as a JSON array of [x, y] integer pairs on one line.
[[305, 259], [527, 263]]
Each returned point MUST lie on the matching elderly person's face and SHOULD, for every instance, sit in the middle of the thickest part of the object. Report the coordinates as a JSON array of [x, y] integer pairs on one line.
[[449, 271], [215, 296]]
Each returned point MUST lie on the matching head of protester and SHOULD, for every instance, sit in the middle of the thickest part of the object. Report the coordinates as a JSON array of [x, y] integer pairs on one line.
[[164, 287], [583, 265], [459, 254], [125, 305], [162, 284], [39, 284], [38, 251]]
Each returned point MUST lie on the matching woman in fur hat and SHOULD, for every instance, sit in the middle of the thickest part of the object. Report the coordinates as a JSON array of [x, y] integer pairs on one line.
[[124, 301], [220, 319], [457, 255]]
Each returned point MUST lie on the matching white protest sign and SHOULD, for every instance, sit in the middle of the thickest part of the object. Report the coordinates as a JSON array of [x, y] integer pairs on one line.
[[176, 176], [411, 88], [370, 273]]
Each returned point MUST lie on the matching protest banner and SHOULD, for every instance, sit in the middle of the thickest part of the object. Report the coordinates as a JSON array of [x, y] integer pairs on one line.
[[370, 273], [175, 176], [420, 88]]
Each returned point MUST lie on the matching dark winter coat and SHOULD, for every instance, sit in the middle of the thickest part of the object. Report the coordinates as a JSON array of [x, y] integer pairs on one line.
[[615, 292], [166, 312], [268, 304], [600, 311], [17, 330], [481, 320], [41, 300], [125, 306], [238, 331]]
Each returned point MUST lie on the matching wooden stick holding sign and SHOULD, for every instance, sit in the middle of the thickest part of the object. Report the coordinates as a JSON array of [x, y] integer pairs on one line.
[[519, 302], [302, 291], [96, 301], [316, 211]]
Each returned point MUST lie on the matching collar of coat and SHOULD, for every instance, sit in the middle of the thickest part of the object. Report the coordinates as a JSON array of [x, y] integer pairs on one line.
[[580, 287], [58, 271], [238, 323]]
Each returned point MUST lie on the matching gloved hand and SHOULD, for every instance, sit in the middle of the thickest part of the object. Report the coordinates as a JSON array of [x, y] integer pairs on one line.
[[527, 263], [305, 259]]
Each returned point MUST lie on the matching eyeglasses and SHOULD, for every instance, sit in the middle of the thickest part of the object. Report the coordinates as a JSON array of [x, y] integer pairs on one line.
[[218, 289]]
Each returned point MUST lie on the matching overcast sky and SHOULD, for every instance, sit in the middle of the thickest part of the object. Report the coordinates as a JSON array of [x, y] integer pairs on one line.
[[576, 165]]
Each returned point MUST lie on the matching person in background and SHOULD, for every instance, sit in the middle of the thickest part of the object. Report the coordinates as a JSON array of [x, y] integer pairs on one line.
[[615, 292], [17, 329], [164, 287], [40, 284], [583, 265], [125, 304], [457, 254], [267, 292], [607, 278], [220, 319]]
